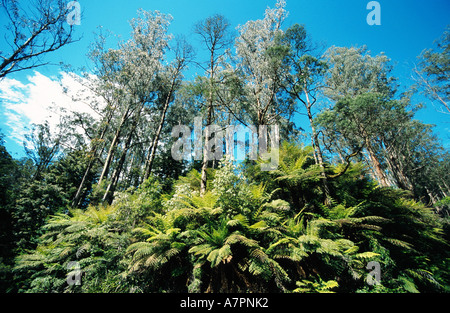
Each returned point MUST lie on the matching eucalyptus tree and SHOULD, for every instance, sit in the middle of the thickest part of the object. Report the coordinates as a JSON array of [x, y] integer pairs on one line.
[[261, 67], [353, 71], [103, 95], [370, 116], [433, 72], [418, 161], [360, 121], [41, 147], [361, 86], [103, 100], [171, 80], [140, 60], [303, 80], [402, 151], [216, 38]]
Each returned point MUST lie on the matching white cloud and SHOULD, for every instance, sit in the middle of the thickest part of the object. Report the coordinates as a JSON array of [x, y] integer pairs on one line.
[[11, 90], [39, 99]]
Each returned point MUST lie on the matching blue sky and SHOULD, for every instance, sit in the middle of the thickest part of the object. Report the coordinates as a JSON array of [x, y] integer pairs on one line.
[[407, 28]]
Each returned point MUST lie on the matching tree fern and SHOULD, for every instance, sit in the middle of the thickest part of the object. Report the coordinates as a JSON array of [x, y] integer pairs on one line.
[[81, 236], [320, 286]]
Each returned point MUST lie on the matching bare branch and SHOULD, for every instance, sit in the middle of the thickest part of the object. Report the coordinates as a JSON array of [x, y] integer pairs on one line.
[[34, 32]]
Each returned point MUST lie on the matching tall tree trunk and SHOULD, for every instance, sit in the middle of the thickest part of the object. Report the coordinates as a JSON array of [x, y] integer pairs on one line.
[[130, 175], [94, 153], [444, 193], [397, 170], [108, 195], [113, 146], [204, 177], [317, 151], [341, 157], [205, 153], [376, 164], [431, 196], [446, 186], [214, 32], [76, 200], [154, 146]]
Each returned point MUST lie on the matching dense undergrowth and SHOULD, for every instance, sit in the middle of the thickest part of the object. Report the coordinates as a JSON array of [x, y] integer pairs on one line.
[[251, 231]]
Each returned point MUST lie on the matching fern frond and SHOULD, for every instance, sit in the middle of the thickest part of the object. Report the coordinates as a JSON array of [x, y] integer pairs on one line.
[[238, 220], [278, 205], [136, 246], [366, 255], [143, 252], [146, 231], [203, 249], [237, 238], [218, 255], [400, 243], [259, 225], [259, 254]]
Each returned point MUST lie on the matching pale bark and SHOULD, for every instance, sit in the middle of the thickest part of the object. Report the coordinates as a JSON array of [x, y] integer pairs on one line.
[[94, 153], [113, 145], [315, 142], [378, 170], [116, 174], [154, 146]]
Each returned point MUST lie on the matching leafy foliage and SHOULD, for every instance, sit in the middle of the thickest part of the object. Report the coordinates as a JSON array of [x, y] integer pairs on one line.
[[244, 238], [93, 238]]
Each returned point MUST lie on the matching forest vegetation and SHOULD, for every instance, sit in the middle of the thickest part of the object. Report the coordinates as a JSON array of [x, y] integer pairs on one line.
[[364, 181]]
